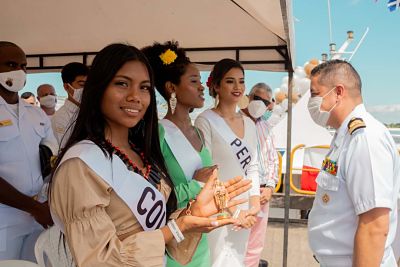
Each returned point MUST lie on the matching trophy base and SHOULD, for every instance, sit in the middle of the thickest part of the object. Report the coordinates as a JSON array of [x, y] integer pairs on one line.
[[222, 216]]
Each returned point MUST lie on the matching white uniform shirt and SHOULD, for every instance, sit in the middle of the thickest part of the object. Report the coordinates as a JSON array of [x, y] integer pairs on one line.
[[368, 177], [21, 132], [63, 122]]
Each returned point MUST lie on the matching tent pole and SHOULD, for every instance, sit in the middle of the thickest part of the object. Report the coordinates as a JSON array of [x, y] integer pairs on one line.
[[288, 167]]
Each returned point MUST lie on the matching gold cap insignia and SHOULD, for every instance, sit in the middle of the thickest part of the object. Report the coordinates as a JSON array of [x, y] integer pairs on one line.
[[325, 198], [355, 124]]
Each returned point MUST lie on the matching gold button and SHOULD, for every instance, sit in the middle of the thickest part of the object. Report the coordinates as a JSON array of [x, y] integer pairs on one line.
[[325, 198]]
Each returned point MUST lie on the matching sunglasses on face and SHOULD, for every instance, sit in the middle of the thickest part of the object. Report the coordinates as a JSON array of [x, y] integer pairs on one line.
[[266, 102]]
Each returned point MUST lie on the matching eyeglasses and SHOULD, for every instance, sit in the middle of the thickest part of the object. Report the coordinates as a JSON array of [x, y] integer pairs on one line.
[[266, 102]]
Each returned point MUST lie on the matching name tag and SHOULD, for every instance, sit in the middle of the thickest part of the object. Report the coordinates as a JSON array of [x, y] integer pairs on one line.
[[6, 123]]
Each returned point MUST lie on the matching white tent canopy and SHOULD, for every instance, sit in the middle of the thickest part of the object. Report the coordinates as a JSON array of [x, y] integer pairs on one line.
[[53, 33], [304, 130]]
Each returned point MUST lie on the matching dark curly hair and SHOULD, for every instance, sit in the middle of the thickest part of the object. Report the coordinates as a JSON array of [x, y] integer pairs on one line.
[[166, 72]]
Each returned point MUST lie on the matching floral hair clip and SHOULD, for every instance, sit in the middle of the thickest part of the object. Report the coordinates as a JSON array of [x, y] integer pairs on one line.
[[168, 57], [209, 81]]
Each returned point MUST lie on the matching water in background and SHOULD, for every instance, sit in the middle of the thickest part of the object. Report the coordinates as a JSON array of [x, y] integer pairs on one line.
[[396, 136]]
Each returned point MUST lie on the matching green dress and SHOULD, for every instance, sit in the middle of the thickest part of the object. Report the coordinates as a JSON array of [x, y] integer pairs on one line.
[[186, 191]]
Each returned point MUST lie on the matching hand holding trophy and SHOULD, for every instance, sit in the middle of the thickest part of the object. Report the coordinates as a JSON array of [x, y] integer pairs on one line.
[[217, 196], [221, 199]]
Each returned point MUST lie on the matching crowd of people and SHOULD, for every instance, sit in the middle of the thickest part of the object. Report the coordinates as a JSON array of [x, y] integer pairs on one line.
[[127, 188]]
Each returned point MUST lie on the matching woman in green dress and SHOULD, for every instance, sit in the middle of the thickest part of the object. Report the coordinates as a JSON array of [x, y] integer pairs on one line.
[[187, 159]]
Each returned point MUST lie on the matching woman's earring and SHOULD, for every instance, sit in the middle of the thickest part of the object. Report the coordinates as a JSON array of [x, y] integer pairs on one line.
[[173, 102], [216, 101]]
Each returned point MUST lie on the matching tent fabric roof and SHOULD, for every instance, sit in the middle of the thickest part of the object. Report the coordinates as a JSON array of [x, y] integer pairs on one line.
[[262, 27]]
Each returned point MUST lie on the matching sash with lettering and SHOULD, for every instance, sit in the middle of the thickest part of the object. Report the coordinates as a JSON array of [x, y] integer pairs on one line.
[[145, 201], [187, 157], [243, 152]]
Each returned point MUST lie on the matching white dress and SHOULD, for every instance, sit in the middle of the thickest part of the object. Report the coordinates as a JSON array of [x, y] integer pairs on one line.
[[228, 247]]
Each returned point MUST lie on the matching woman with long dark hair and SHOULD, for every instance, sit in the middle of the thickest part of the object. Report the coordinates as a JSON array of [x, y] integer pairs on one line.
[[187, 159], [110, 193], [232, 141]]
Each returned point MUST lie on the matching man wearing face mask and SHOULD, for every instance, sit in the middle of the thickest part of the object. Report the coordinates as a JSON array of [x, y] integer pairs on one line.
[[354, 215], [74, 77], [23, 128], [29, 98], [260, 111], [47, 97]]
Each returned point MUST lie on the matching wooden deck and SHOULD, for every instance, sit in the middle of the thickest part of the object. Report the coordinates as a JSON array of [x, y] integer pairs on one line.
[[300, 254]]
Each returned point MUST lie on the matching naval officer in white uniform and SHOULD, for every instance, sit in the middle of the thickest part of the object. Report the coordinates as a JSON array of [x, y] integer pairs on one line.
[[22, 128], [354, 217]]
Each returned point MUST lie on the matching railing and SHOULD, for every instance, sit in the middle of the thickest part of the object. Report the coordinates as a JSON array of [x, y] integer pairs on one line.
[[301, 199], [292, 185], [278, 186]]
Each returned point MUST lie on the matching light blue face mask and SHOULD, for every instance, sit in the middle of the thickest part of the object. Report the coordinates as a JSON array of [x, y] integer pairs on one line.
[[266, 115]]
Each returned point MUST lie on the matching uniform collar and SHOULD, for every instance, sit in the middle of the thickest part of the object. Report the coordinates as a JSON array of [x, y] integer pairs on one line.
[[22, 105], [341, 132], [21, 102]]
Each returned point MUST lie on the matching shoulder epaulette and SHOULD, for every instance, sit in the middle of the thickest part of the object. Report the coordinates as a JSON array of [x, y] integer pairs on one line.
[[355, 124]]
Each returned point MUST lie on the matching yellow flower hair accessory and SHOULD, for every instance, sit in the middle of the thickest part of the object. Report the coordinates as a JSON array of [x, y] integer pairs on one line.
[[168, 57]]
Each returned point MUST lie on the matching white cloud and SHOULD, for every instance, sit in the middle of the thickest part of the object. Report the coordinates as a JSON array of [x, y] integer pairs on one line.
[[386, 113], [384, 108]]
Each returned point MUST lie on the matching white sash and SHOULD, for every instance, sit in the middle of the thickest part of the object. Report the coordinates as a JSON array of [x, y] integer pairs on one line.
[[187, 157], [243, 152], [144, 200]]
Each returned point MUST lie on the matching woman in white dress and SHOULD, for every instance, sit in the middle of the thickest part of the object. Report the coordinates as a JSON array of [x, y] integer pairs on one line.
[[232, 140]]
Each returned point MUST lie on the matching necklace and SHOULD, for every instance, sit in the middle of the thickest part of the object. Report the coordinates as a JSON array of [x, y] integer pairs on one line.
[[129, 163], [236, 115]]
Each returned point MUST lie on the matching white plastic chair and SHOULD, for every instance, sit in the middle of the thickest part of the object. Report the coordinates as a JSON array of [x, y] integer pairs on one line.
[[17, 263], [50, 250]]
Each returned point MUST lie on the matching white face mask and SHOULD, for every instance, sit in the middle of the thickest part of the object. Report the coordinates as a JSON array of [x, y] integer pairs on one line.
[[77, 93], [319, 116], [13, 81], [256, 108], [48, 101]]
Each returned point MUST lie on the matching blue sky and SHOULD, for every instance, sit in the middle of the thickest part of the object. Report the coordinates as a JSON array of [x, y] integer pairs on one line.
[[377, 59]]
